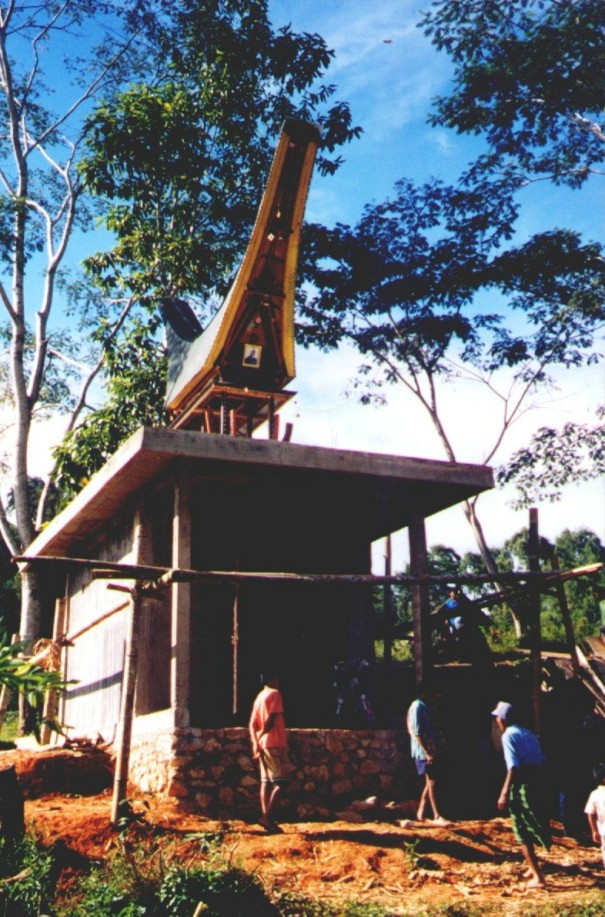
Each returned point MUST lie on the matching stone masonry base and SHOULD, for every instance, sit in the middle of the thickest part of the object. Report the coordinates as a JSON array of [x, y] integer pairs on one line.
[[211, 771]]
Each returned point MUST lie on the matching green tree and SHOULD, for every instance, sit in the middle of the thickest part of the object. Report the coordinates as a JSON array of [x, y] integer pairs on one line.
[[175, 161], [134, 399], [180, 164], [529, 77], [554, 458], [411, 287], [182, 160], [578, 548], [83, 49]]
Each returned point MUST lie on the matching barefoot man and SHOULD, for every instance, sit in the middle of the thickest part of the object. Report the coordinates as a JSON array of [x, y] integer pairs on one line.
[[270, 746], [424, 746], [523, 789]]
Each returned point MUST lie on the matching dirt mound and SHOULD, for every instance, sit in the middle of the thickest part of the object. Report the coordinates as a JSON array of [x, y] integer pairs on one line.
[[86, 769]]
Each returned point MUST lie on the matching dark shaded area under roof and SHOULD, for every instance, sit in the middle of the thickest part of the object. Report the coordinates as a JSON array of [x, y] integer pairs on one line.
[[373, 493]]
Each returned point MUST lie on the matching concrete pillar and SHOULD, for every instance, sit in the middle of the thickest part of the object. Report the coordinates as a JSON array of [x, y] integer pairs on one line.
[[181, 604], [421, 608]]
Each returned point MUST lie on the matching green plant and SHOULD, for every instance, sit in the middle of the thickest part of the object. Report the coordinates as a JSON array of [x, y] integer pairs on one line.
[[411, 853], [126, 886], [291, 904], [355, 909], [10, 726], [225, 892], [29, 868]]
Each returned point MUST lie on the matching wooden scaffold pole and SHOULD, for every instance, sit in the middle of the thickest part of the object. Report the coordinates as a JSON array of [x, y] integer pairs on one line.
[[120, 782]]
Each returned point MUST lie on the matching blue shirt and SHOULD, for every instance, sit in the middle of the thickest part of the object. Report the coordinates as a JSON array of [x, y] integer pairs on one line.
[[419, 724], [521, 747]]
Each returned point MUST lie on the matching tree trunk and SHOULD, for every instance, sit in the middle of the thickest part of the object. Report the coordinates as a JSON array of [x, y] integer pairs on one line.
[[31, 620], [488, 558], [31, 606]]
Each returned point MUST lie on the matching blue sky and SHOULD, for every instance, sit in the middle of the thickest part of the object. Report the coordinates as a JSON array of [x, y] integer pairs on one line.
[[389, 72]]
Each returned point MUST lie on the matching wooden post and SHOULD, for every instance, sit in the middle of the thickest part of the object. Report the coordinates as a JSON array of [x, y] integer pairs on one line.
[[421, 610], [181, 605], [273, 419], [566, 615], [140, 545], [224, 415], [235, 644], [120, 783], [388, 605], [534, 629]]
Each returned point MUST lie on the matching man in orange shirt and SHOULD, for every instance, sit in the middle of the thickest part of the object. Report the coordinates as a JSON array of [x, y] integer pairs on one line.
[[270, 745]]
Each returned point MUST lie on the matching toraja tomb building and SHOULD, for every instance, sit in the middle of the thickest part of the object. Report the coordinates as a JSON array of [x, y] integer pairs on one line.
[[209, 502], [195, 501]]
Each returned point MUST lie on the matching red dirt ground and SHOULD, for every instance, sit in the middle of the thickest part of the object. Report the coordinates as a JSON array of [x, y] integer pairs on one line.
[[373, 861]]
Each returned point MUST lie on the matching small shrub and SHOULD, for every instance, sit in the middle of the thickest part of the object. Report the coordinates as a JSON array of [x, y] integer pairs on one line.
[[228, 892], [126, 887], [292, 905], [28, 894]]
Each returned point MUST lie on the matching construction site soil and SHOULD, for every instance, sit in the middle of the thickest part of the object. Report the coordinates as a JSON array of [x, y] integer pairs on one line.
[[469, 867]]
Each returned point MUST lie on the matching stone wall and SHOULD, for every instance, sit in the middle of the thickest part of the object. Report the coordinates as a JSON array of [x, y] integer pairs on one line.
[[211, 770]]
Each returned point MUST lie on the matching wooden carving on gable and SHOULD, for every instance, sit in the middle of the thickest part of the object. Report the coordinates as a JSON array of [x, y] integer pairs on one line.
[[231, 376]]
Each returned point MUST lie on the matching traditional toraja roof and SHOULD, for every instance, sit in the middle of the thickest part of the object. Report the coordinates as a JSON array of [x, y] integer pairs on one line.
[[291, 485], [248, 346]]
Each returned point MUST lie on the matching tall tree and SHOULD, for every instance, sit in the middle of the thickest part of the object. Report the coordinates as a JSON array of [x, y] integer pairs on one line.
[[45, 47], [412, 286], [529, 76], [181, 162]]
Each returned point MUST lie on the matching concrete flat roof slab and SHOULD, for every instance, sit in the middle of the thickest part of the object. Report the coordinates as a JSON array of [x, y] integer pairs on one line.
[[383, 493]]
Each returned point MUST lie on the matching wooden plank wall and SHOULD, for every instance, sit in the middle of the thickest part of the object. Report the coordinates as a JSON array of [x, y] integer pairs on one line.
[[96, 660]]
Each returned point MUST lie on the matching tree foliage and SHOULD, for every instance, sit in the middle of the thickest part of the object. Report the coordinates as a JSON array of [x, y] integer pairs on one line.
[[554, 458], [135, 393], [412, 283], [182, 159], [530, 77]]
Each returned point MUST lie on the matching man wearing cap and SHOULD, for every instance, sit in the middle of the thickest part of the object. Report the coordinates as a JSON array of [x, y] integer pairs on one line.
[[523, 789]]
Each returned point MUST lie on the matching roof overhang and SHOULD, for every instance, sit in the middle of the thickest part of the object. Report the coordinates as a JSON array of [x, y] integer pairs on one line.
[[380, 493]]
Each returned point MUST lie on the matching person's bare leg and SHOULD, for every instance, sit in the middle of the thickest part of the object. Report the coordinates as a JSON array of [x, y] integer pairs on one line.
[[536, 879], [437, 817], [273, 796], [265, 796], [422, 801]]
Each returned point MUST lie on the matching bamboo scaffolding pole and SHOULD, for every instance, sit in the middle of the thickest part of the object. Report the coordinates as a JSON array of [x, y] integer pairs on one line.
[[129, 678], [167, 575], [534, 629], [66, 639]]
